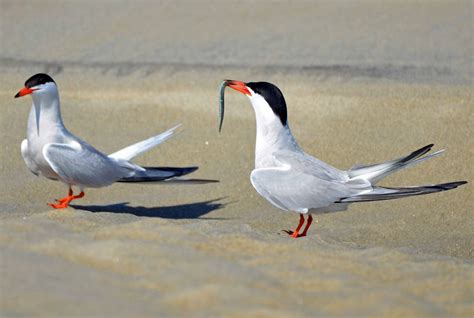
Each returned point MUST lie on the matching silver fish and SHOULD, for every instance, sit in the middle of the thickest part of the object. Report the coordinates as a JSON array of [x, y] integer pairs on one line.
[[224, 84]]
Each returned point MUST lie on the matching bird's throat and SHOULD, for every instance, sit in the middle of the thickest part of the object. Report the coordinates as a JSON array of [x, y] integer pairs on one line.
[[45, 116]]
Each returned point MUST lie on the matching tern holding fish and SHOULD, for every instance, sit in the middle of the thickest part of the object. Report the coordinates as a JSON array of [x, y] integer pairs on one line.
[[50, 150], [292, 180]]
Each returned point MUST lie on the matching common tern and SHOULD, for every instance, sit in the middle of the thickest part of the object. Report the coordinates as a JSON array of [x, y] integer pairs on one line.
[[292, 180], [51, 151]]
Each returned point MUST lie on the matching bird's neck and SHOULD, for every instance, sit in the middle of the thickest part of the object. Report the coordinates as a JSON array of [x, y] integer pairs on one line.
[[271, 137], [272, 133], [45, 114]]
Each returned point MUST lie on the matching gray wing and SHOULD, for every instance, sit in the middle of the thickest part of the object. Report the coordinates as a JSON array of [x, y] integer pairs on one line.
[[294, 190], [25, 153], [82, 165], [301, 182], [302, 162]]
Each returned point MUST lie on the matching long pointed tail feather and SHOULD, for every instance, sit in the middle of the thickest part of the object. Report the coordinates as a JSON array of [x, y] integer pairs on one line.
[[155, 174], [130, 152], [385, 193], [375, 173], [189, 181]]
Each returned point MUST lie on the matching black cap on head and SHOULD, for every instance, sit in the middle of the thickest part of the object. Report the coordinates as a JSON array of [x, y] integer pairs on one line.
[[273, 96], [38, 79]]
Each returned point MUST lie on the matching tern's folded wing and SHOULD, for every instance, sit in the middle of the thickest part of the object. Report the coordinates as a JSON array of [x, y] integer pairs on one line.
[[297, 191], [302, 162], [79, 165]]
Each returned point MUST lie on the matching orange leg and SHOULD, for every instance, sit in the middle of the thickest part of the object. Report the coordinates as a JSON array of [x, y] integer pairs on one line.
[[295, 233], [308, 224], [64, 202]]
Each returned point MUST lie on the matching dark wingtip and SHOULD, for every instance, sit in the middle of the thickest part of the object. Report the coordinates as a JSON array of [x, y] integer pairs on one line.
[[450, 185], [458, 183], [149, 176], [186, 170], [195, 181], [418, 153], [428, 147]]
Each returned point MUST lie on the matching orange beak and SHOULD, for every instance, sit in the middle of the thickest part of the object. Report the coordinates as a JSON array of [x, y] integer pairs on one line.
[[24, 91], [238, 86]]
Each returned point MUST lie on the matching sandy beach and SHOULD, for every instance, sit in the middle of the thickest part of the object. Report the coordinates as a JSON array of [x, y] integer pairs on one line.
[[364, 83]]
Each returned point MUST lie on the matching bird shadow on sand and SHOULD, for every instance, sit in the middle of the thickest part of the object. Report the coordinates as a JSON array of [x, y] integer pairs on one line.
[[182, 211]]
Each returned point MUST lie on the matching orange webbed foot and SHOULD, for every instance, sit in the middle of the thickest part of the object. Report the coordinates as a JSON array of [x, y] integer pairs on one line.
[[64, 202], [295, 233], [61, 205], [60, 200]]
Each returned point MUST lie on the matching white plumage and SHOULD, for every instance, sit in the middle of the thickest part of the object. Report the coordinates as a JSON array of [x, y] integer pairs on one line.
[[292, 180], [50, 150]]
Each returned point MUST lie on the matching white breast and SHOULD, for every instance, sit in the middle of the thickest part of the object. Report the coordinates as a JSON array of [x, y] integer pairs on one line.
[[271, 134], [43, 129]]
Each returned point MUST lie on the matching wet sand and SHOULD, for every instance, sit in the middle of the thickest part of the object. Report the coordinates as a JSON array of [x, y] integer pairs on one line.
[[217, 249]]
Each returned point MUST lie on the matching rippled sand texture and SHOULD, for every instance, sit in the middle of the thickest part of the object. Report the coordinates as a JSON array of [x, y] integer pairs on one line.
[[364, 83]]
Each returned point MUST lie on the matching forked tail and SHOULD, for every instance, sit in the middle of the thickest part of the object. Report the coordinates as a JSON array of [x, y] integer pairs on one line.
[[375, 173], [130, 152], [385, 193]]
